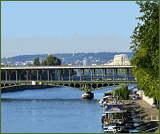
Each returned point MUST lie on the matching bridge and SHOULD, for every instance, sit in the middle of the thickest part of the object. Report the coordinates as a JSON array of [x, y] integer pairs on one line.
[[107, 76]]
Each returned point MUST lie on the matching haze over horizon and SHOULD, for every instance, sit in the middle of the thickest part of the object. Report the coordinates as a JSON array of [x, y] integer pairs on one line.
[[30, 28]]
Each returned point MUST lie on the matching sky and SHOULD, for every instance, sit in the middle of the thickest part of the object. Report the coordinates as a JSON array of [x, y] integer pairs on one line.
[[49, 27]]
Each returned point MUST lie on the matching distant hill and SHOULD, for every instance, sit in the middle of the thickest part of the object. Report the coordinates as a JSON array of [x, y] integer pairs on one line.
[[70, 58]]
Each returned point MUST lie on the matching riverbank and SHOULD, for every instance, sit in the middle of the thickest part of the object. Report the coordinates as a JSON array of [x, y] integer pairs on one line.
[[146, 112], [25, 87]]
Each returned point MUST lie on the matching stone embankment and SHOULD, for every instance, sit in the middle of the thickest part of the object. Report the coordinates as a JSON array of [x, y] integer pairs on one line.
[[26, 87]]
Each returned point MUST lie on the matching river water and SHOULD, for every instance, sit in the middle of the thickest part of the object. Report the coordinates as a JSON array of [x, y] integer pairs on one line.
[[52, 110]]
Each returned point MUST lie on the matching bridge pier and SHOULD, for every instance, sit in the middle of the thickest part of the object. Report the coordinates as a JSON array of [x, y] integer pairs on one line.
[[87, 95]]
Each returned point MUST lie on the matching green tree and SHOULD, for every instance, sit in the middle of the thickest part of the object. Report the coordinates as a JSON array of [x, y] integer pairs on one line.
[[51, 61], [145, 40], [122, 92], [36, 62]]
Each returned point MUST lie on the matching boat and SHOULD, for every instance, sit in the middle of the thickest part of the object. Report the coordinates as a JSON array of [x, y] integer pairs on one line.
[[113, 128], [115, 115], [106, 98], [113, 104], [101, 101], [110, 129]]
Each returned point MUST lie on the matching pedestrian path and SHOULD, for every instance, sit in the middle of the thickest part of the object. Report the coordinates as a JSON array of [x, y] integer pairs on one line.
[[151, 113]]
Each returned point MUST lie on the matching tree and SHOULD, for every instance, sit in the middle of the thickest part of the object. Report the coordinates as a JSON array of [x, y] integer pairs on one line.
[[122, 92], [51, 61], [36, 62], [145, 40]]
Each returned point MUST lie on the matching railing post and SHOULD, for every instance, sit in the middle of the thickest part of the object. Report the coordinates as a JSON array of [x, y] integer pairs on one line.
[[37, 75], [105, 73], [116, 74], [91, 74], [48, 74], [40, 72], [27, 74], [80, 74], [69, 74], [54, 74], [94, 75], [58, 75], [30, 74], [16, 74], [9, 75], [51, 74], [19, 75], [113, 74], [102, 74], [83, 74], [72, 74], [61, 74], [6, 75], [125, 73]]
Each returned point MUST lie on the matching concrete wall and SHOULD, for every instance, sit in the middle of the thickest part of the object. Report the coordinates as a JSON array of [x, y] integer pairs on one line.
[[148, 100]]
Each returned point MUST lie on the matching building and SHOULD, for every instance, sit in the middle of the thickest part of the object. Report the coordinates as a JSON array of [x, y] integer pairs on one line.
[[121, 59], [84, 62]]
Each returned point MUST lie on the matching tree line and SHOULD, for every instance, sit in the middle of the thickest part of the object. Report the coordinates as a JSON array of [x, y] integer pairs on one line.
[[145, 40]]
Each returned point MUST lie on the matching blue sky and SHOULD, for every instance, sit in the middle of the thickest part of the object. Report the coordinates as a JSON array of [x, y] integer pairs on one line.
[[65, 27]]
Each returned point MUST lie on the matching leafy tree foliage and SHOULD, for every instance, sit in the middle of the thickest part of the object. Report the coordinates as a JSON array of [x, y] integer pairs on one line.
[[122, 92], [145, 40], [51, 60], [36, 62]]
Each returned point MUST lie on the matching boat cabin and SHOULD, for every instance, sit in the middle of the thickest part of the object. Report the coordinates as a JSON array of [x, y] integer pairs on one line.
[[115, 115], [113, 104]]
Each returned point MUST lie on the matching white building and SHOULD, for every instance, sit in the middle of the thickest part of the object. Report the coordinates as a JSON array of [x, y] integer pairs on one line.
[[84, 62], [121, 59], [29, 62]]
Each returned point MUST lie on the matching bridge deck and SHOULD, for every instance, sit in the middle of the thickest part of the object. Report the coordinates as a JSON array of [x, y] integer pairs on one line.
[[66, 67]]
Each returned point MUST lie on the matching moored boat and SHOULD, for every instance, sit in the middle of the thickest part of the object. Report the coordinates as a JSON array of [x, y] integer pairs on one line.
[[115, 115], [110, 129]]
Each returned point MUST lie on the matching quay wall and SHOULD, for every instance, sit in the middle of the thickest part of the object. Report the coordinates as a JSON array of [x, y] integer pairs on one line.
[[146, 98], [25, 87]]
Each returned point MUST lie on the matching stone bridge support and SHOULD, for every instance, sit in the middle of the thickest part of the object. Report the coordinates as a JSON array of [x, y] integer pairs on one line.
[[87, 95]]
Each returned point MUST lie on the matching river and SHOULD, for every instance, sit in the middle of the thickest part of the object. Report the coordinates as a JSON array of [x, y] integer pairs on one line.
[[52, 110]]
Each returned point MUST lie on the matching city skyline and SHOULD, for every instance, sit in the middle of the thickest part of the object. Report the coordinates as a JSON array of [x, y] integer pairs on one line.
[[64, 27]]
